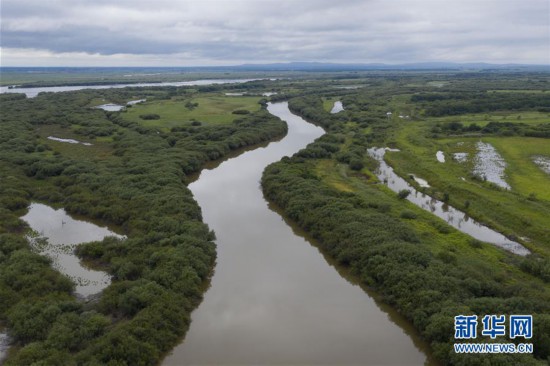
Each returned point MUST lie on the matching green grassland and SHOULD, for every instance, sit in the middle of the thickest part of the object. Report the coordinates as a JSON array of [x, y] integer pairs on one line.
[[482, 119], [328, 103], [211, 110], [432, 231], [523, 211]]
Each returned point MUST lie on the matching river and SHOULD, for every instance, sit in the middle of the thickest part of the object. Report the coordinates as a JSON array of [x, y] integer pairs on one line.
[[274, 298], [33, 92]]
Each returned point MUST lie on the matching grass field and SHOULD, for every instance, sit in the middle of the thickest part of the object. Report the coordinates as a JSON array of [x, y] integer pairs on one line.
[[212, 109], [431, 230], [328, 103], [482, 119], [100, 146], [523, 174], [524, 211]]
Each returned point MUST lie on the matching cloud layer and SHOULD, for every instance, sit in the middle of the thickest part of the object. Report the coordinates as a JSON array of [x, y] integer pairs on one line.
[[184, 33]]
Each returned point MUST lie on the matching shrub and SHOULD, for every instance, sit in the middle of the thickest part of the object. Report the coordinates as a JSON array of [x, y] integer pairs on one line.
[[404, 193], [149, 116], [408, 214]]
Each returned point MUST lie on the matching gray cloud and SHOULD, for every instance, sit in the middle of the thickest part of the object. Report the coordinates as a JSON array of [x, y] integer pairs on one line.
[[171, 32]]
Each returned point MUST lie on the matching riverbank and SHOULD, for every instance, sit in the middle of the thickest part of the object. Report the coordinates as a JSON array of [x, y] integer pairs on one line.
[[266, 276], [421, 266], [132, 177]]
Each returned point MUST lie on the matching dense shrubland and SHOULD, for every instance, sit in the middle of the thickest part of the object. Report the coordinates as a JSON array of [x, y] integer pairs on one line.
[[133, 177]]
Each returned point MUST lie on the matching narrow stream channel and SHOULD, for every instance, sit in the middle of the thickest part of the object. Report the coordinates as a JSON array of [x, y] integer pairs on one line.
[[274, 298]]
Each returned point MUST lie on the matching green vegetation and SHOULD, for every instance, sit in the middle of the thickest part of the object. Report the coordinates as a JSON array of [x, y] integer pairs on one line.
[[132, 176], [522, 211], [181, 112], [425, 268]]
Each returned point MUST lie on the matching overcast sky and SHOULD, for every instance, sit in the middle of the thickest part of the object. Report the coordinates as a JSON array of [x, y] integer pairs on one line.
[[229, 32]]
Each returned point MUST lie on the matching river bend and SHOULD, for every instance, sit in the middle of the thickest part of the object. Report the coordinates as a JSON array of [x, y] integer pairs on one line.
[[274, 298]]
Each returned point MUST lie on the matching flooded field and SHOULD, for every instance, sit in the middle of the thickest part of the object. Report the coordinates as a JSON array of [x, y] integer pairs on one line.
[[542, 162], [56, 234], [440, 156], [451, 215], [461, 157], [490, 165], [421, 182]]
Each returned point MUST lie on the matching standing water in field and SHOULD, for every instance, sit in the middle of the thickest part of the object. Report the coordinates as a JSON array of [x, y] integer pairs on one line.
[[456, 218], [338, 107], [490, 165], [69, 141], [55, 234], [110, 107], [542, 162], [440, 156], [460, 157], [274, 299]]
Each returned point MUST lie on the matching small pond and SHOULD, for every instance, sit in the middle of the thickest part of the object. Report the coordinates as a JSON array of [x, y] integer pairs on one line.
[[134, 102], [56, 234], [110, 107], [338, 107]]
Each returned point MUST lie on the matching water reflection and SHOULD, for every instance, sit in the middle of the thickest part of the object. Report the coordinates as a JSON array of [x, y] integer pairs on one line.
[[543, 163], [273, 298], [110, 107], [454, 217], [69, 141], [490, 165], [56, 234], [33, 92], [338, 107], [4, 344]]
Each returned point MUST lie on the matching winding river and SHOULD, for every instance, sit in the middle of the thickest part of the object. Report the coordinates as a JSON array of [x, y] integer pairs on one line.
[[274, 298]]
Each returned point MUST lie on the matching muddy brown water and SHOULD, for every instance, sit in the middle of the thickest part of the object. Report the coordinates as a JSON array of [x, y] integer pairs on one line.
[[274, 298]]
